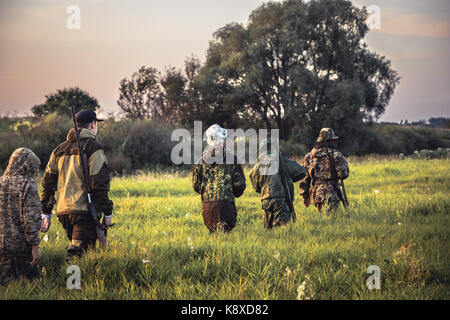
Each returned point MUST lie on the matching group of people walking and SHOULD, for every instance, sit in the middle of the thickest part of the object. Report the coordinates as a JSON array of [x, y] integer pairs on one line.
[[219, 182], [23, 214]]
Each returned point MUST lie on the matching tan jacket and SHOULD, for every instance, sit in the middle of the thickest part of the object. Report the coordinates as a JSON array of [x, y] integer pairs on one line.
[[64, 176]]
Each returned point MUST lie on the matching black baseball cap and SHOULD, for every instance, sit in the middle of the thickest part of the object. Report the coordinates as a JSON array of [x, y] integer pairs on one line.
[[86, 116]]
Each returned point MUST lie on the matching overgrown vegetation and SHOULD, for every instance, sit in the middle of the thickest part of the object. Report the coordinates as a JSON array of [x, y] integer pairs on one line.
[[133, 145], [398, 220]]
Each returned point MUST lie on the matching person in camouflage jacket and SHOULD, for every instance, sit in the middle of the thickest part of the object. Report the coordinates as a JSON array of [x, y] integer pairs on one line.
[[218, 182], [20, 217], [276, 211], [318, 185]]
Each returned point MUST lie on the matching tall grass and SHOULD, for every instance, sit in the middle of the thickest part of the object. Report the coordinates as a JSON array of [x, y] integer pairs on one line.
[[398, 220]]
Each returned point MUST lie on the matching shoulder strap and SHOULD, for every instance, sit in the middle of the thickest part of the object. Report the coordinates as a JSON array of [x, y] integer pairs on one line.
[[86, 163]]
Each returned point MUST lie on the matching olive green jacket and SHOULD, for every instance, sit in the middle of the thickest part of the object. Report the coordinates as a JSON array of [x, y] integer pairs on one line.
[[271, 186]]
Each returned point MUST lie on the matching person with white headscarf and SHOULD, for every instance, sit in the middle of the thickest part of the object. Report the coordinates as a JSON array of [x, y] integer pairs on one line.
[[217, 182]]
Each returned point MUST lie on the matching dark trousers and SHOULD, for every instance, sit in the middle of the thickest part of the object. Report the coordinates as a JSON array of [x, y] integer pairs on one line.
[[14, 265], [219, 214], [80, 230]]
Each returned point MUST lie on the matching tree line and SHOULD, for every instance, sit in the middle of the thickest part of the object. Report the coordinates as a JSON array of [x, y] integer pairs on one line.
[[296, 66]]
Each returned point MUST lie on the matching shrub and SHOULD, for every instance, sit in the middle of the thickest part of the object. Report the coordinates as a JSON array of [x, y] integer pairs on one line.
[[148, 143]]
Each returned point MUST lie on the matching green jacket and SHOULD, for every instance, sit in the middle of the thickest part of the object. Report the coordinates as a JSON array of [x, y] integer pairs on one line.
[[218, 182], [271, 186]]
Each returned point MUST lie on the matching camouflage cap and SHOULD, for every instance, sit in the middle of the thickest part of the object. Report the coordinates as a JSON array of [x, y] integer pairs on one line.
[[327, 134]]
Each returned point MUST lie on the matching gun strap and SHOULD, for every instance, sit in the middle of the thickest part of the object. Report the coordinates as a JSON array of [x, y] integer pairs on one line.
[[86, 164], [84, 144]]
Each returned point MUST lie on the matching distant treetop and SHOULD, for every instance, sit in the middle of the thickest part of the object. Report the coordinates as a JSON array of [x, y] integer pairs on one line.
[[61, 101]]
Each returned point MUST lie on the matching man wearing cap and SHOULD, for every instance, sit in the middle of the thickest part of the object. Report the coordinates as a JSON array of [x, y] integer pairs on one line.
[[318, 184], [269, 183], [64, 175], [218, 182]]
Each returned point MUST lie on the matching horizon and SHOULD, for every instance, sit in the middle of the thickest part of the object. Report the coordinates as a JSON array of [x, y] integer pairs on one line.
[[115, 39]]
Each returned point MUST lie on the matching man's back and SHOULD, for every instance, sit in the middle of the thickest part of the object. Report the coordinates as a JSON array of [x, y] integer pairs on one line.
[[218, 181], [64, 175], [271, 185]]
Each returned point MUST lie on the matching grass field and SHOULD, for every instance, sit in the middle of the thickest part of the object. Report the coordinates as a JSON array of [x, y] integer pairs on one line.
[[160, 249]]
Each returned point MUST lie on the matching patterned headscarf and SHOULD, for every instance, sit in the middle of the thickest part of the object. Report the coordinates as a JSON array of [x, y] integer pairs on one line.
[[215, 134], [23, 162]]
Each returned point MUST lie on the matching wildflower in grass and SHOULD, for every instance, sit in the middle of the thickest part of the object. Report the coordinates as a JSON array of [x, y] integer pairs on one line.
[[377, 191], [44, 271], [190, 244], [277, 256], [301, 291], [45, 238], [288, 272], [145, 261], [188, 214], [305, 290]]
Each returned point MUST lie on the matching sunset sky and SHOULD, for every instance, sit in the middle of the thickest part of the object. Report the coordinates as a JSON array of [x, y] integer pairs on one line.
[[39, 54]]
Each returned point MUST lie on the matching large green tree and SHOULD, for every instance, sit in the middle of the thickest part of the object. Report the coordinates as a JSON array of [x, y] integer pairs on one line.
[[61, 101], [298, 63]]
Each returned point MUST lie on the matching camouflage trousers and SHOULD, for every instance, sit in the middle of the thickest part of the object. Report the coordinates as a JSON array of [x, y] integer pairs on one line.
[[330, 206], [276, 212], [324, 195], [15, 265]]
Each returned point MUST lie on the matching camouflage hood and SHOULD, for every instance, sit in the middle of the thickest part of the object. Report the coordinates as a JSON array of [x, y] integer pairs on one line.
[[23, 162], [320, 152]]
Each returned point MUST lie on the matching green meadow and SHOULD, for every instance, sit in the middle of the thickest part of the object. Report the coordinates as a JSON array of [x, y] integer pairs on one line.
[[398, 220]]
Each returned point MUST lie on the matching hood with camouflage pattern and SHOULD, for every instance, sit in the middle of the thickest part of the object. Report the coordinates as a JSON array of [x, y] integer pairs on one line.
[[23, 162], [326, 134]]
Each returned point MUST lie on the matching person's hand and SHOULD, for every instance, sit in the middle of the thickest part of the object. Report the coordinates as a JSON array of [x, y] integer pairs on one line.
[[306, 202], [108, 221], [35, 254], [45, 224]]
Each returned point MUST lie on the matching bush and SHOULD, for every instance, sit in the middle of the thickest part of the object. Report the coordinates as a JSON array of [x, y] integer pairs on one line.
[[129, 145], [41, 137], [395, 139], [148, 143]]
